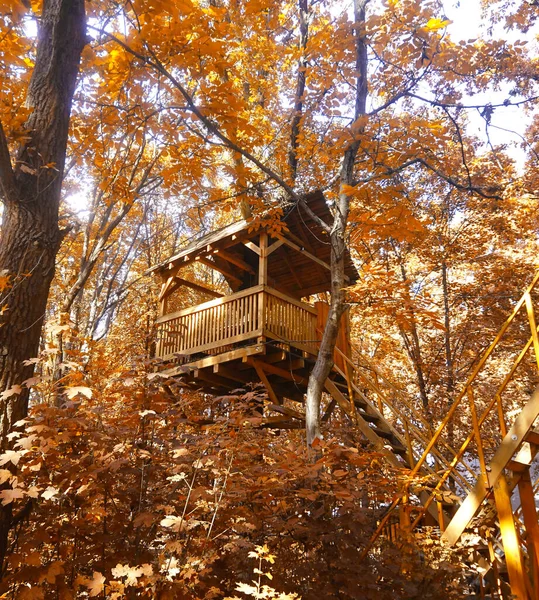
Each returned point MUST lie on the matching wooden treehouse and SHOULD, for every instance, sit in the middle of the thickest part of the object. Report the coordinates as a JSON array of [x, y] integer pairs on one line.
[[262, 330], [474, 470]]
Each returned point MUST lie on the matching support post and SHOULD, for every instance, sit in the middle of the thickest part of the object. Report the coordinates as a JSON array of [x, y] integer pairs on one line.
[[529, 512], [510, 539], [262, 280], [263, 260]]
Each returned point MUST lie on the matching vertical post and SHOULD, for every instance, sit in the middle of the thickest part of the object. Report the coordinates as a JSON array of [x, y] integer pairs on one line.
[[494, 564], [263, 260], [533, 325], [478, 441], [262, 280], [529, 512], [440, 510], [510, 539], [405, 513], [161, 310]]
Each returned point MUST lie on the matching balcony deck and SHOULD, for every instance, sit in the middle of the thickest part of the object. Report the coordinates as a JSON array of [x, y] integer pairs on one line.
[[258, 334], [240, 319]]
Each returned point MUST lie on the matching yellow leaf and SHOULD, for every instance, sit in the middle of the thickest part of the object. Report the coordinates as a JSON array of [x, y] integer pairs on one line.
[[434, 24]]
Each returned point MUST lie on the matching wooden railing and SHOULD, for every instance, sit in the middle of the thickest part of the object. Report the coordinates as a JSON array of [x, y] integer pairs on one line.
[[246, 315], [482, 428], [291, 321]]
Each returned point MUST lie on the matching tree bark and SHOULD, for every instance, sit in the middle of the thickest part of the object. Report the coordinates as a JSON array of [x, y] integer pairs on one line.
[[324, 360], [303, 6], [31, 195]]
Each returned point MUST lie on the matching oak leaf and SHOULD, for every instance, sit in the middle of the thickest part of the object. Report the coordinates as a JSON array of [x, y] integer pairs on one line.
[[54, 569]]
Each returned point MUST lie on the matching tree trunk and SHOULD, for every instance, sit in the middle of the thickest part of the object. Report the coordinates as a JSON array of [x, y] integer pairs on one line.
[[31, 194], [324, 360]]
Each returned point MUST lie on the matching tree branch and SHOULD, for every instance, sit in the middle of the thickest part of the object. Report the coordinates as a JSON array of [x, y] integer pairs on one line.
[[214, 129], [421, 161]]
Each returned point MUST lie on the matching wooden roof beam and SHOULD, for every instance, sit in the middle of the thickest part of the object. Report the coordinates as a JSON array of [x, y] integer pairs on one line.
[[198, 287], [178, 262], [234, 260], [223, 270], [253, 247], [292, 270], [306, 253]]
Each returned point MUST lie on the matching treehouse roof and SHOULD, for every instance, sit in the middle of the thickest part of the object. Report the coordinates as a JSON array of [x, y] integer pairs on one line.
[[299, 266]]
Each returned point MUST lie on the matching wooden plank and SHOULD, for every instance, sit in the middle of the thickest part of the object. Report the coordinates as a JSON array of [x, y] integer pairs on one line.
[[165, 288], [253, 247], [291, 269], [274, 246], [199, 288], [303, 347], [521, 462], [235, 260], [273, 370], [304, 252], [533, 326], [378, 443], [511, 542], [242, 337], [529, 512], [502, 456], [286, 411], [223, 238], [329, 410], [281, 423], [276, 357], [263, 260], [201, 374], [265, 381], [533, 437], [232, 374], [208, 361], [223, 270], [193, 309], [477, 435]]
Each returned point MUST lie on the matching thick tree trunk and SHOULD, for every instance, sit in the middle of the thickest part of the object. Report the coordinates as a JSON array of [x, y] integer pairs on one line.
[[324, 360], [31, 195]]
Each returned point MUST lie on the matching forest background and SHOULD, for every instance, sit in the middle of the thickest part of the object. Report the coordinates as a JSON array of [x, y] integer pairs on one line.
[[114, 486]]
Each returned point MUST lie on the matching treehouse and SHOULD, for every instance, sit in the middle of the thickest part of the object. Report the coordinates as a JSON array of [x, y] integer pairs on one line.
[[261, 328]]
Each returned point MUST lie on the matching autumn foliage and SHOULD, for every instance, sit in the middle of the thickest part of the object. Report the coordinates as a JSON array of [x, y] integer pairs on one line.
[[117, 483]]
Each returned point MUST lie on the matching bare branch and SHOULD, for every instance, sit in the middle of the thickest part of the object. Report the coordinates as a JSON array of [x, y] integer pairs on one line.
[[421, 161]]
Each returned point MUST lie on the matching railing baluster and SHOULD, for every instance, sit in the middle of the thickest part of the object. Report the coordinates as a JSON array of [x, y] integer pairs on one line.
[[478, 441], [533, 326]]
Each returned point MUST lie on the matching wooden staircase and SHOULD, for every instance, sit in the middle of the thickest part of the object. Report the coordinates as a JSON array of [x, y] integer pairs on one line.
[[480, 456]]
